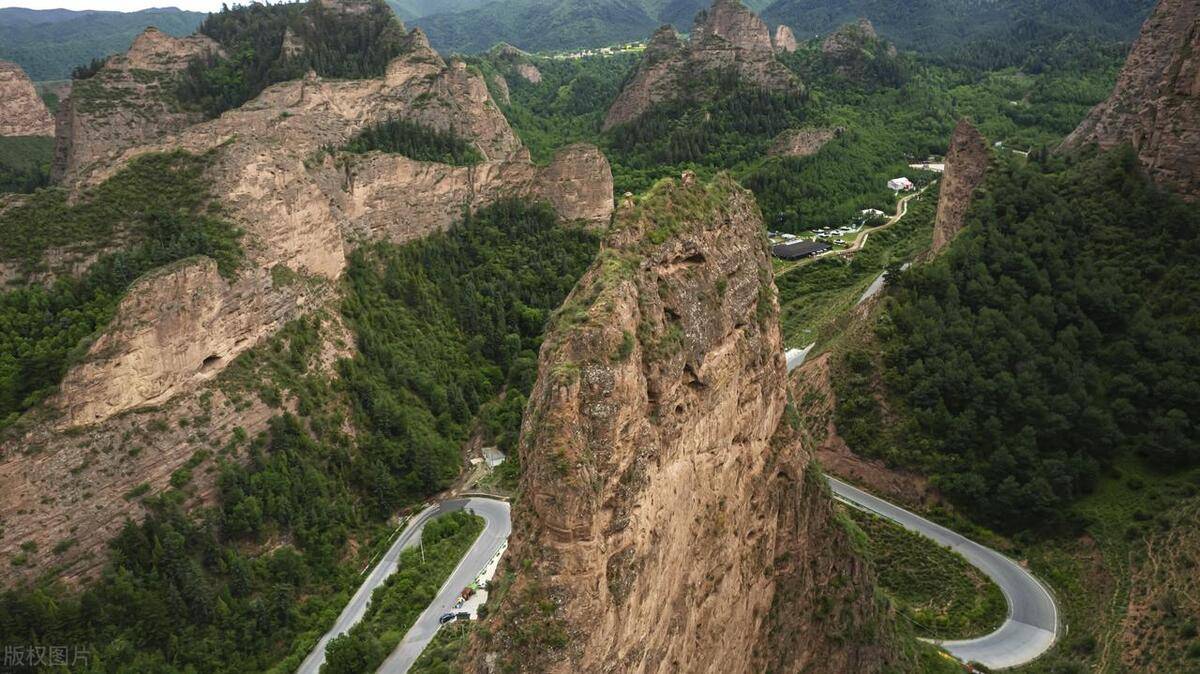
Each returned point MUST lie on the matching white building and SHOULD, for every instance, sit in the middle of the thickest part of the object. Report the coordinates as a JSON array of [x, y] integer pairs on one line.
[[872, 212], [900, 185]]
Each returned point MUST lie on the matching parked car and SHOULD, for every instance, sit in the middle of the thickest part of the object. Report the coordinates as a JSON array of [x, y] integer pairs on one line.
[[446, 617]]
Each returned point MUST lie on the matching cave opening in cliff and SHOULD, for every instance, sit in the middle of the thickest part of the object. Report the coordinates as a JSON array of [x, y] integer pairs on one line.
[[210, 362]]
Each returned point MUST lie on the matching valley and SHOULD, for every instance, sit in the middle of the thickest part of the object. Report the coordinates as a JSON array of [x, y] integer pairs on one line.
[[677, 336]]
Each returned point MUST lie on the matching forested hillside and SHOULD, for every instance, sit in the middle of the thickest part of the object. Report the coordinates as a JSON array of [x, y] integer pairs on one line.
[[48, 44], [329, 40], [986, 34], [1056, 337]]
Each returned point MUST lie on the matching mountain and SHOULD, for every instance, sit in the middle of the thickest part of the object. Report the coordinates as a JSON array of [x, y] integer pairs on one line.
[[1155, 106], [540, 25], [537, 25], [937, 26], [671, 517], [727, 39], [144, 237], [415, 9], [49, 43]]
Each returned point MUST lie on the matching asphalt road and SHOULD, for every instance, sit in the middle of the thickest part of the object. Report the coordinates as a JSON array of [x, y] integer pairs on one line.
[[1032, 623], [498, 525], [357, 607]]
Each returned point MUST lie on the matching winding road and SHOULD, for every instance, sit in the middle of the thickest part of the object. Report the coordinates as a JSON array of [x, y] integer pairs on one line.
[[1031, 627], [1032, 624], [496, 529]]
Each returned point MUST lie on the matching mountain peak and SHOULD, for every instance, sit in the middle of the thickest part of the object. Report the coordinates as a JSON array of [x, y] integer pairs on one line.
[[734, 22]]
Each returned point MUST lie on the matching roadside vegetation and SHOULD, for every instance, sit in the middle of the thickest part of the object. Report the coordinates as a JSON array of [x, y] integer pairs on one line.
[[1044, 359], [934, 588], [396, 604], [1057, 334], [441, 655]]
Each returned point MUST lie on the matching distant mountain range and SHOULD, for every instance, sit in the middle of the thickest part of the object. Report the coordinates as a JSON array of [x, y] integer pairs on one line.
[[49, 43], [931, 26], [537, 25]]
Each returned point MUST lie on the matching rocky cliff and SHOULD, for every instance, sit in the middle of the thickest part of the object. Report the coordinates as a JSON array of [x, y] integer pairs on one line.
[[22, 112], [670, 517], [784, 39], [966, 166], [153, 389], [302, 207], [726, 37], [1155, 106], [130, 101]]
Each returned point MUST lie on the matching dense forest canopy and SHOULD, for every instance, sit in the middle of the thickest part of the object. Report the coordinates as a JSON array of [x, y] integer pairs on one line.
[[1059, 333], [265, 44]]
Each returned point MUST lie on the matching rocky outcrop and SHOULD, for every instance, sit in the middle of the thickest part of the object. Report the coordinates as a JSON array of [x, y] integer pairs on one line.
[[394, 198], [512, 61], [1155, 106], [784, 40], [670, 518], [802, 142], [966, 167], [130, 101], [726, 37], [22, 112], [175, 328], [853, 47]]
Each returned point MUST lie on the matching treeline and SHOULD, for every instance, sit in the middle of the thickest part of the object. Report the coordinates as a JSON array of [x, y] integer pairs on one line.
[[159, 202], [1059, 332], [265, 44], [415, 141]]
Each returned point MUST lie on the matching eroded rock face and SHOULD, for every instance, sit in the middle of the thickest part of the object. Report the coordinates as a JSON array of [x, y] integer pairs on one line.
[[1155, 106], [726, 37], [130, 101], [784, 40], [22, 112], [670, 520], [175, 328], [966, 167], [397, 199], [301, 208], [802, 142]]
